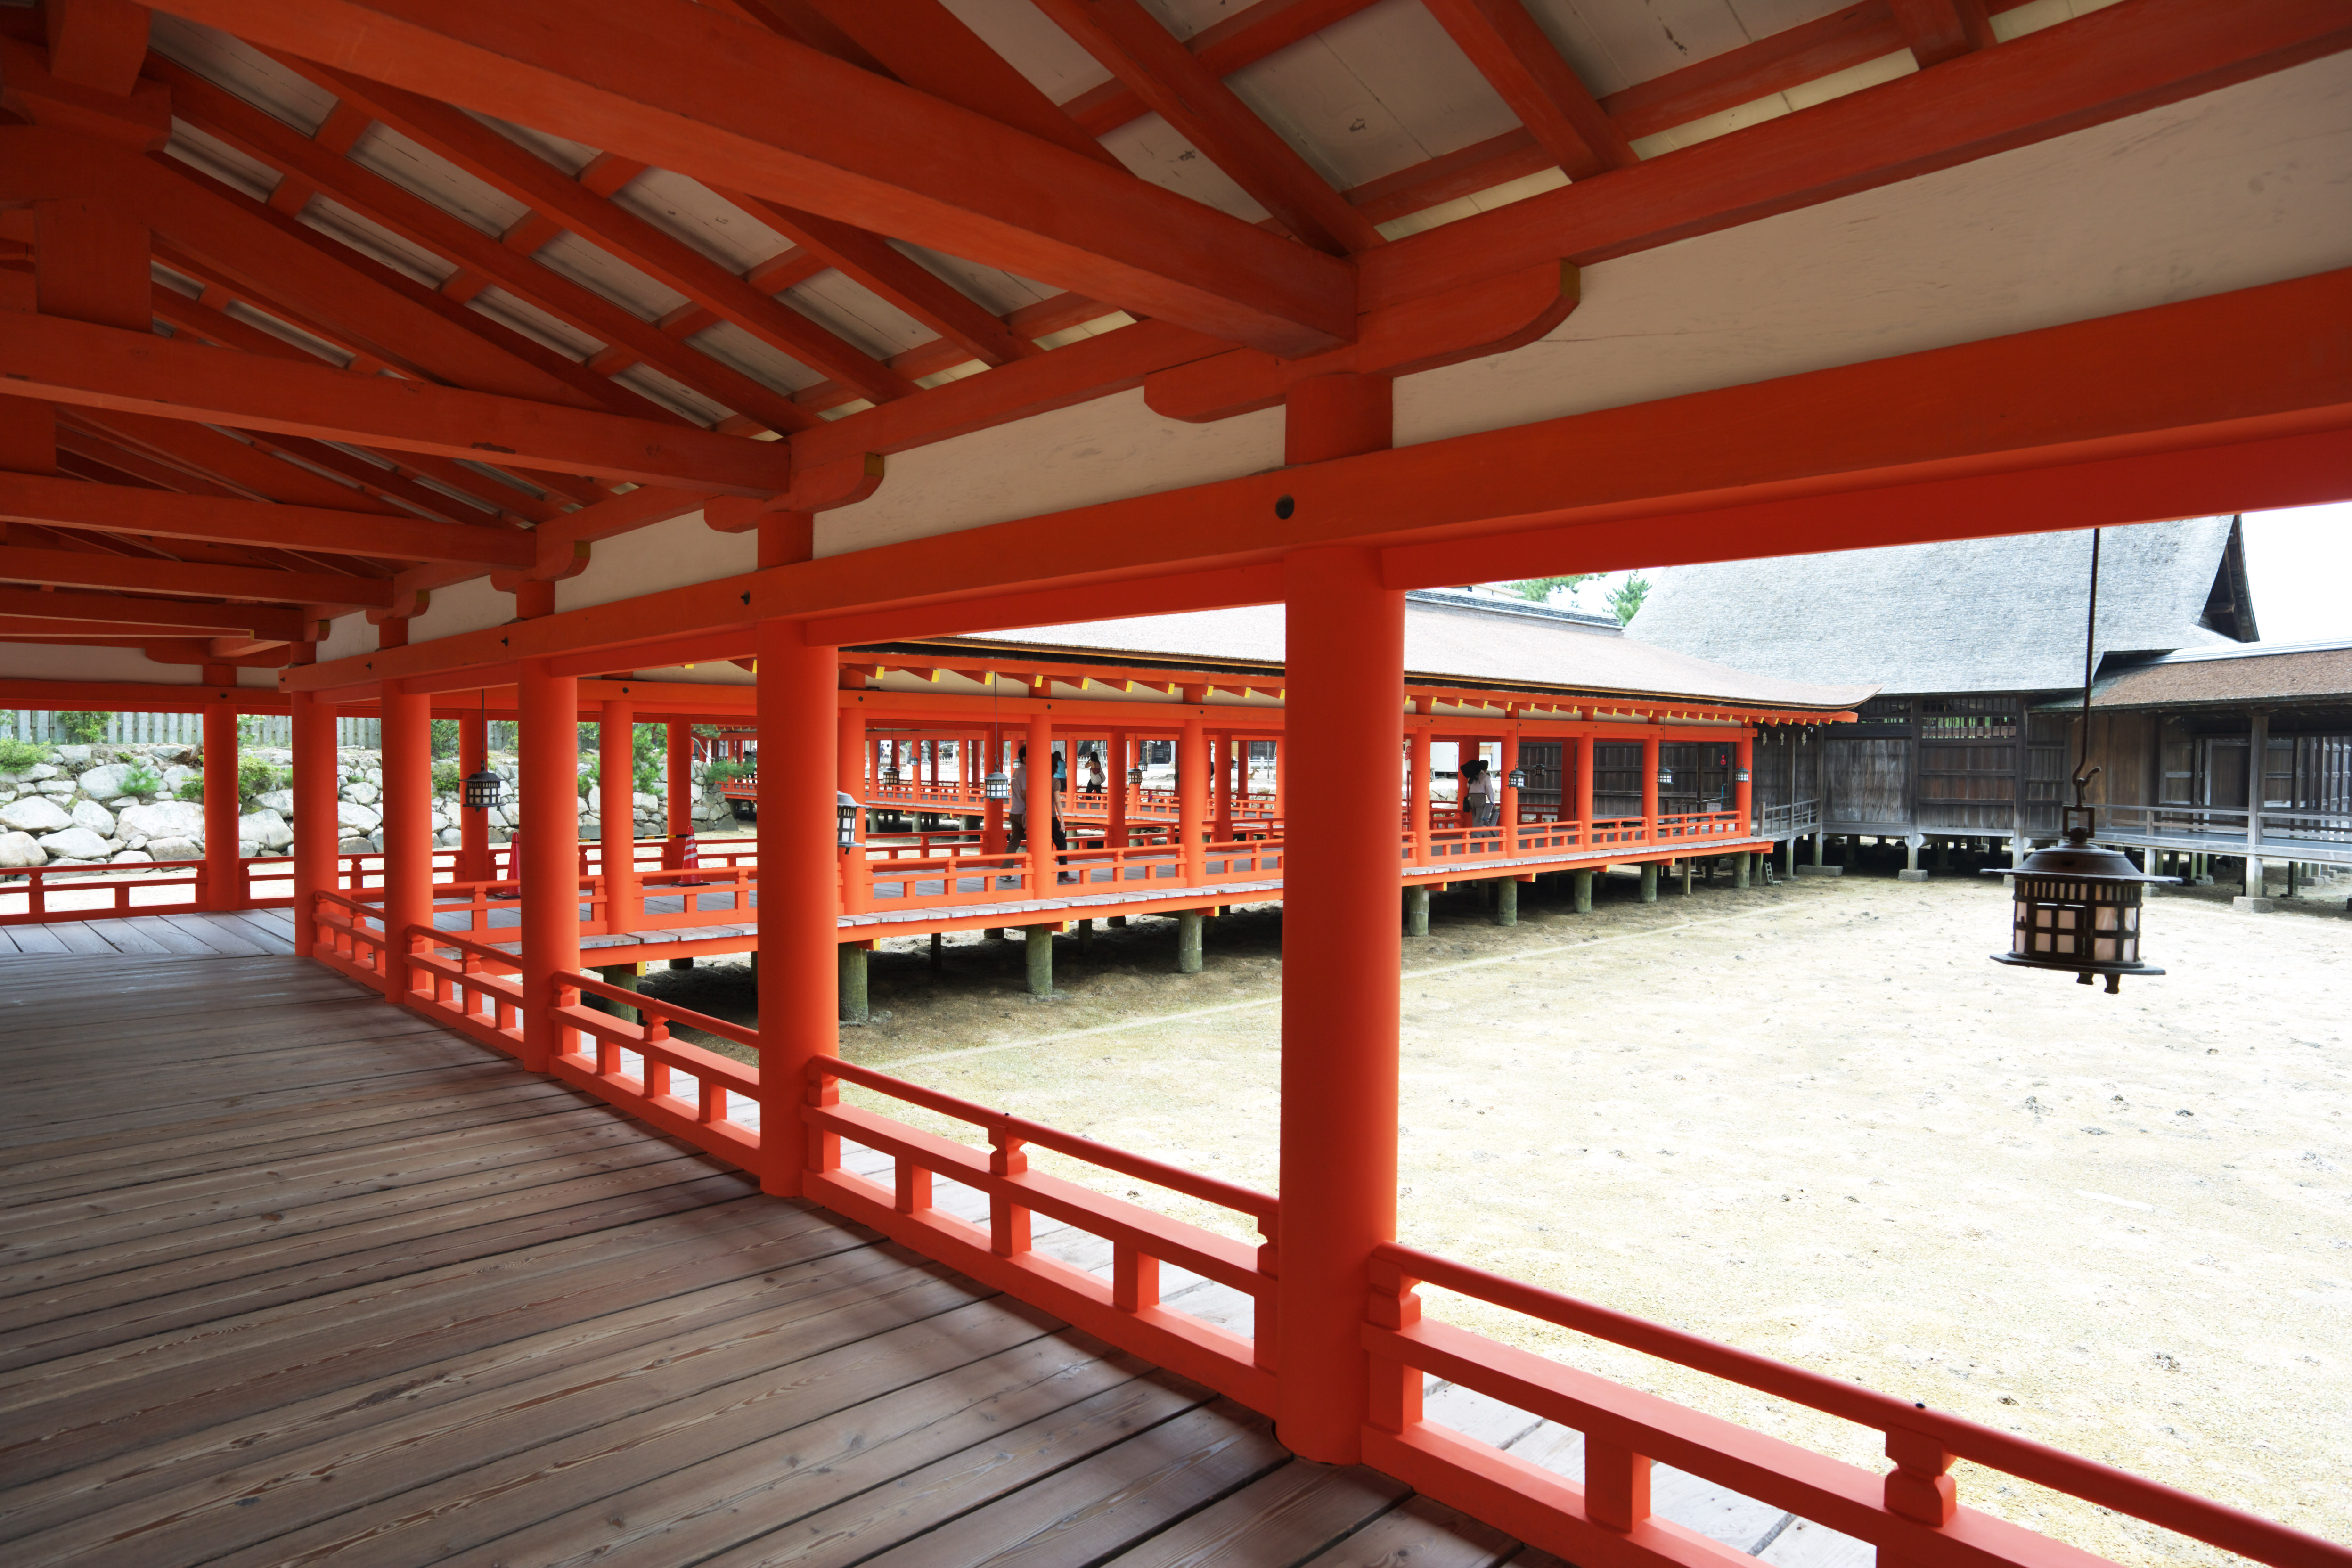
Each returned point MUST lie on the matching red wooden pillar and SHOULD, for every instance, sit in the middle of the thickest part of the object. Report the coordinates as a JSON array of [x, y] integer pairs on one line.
[[677, 800], [850, 751], [992, 832], [616, 818], [1510, 796], [317, 833], [223, 870], [1115, 823], [1743, 789], [1583, 783], [800, 717], [547, 710], [407, 806], [1221, 829], [1040, 807], [1342, 948], [1191, 792], [473, 827], [1650, 787], [1420, 786]]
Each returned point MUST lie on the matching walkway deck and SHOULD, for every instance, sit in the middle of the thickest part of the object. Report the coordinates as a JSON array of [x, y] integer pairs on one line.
[[291, 1275], [192, 933]]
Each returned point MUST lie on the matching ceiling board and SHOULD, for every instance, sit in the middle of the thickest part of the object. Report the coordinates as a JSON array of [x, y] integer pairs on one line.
[[731, 345], [1154, 149], [688, 211], [600, 271], [1032, 45], [222, 161], [372, 239], [408, 163], [236, 66]]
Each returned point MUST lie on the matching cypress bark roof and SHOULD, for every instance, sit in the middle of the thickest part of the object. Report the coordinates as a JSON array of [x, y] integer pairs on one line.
[[1980, 615]]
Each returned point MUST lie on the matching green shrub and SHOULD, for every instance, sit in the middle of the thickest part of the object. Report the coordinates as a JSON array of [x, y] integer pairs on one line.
[[192, 788], [83, 728], [446, 778], [141, 780], [727, 771], [587, 782], [255, 777], [16, 756]]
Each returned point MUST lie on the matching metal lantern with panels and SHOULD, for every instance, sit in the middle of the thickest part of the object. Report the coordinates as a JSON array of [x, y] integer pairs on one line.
[[996, 786], [1739, 775], [1135, 776], [845, 808], [1665, 777], [1516, 778], [890, 776], [483, 789], [2077, 907]]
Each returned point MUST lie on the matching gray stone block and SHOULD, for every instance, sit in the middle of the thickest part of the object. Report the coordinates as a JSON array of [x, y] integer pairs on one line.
[[2252, 906], [1805, 870], [1919, 876]]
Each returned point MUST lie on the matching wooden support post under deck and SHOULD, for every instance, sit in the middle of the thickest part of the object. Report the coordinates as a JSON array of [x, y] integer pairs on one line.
[[224, 877], [1188, 941], [1649, 881], [1583, 892], [547, 713], [616, 816], [1037, 951], [1342, 954], [407, 806], [1507, 900], [1740, 870], [853, 1006], [317, 835], [802, 865], [1416, 910], [473, 827], [624, 975]]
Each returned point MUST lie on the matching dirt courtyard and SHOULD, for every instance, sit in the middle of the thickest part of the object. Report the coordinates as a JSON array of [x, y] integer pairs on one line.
[[1812, 1121]]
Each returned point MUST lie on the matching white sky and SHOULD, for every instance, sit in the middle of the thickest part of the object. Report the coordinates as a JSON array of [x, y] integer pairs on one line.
[[2298, 563]]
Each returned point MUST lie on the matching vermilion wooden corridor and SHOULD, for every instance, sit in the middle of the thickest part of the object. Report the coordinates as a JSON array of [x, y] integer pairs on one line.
[[331, 1282]]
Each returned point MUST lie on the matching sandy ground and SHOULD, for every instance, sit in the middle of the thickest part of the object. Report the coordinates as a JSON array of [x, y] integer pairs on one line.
[[1812, 1121]]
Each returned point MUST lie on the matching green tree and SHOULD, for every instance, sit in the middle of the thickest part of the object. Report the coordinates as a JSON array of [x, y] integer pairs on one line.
[[1627, 596], [1542, 589], [83, 728], [444, 737]]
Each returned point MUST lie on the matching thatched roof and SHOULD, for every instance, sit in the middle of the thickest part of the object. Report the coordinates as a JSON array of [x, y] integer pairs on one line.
[[1452, 635], [1981, 615]]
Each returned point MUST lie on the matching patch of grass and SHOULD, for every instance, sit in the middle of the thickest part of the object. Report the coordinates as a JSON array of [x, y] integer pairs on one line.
[[191, 788], [16, 756]]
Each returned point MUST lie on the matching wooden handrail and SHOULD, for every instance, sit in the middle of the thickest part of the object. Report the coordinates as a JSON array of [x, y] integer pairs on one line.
[[2217, 1524]]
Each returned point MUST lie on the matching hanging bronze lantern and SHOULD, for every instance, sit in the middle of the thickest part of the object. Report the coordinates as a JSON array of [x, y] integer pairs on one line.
[[482, 790], [1516, 778], [2077, 907], [996, 786]]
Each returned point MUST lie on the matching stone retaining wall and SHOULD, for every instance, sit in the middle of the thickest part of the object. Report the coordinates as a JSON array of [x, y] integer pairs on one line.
[[92, 806]]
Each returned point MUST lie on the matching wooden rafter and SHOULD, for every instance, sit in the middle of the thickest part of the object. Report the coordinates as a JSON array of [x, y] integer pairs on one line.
[[564, 202], [1132, 46], [1941, 30], [159, 514], [693, 91], [1244, 38], [67, 607], [1521, 64], [105, 367], [317, 168], [78, 569]]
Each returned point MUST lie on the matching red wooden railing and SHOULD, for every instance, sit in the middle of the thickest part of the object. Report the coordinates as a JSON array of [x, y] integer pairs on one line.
[[1126, 1308], [348, 935], [98, 892], [1911, 1513]]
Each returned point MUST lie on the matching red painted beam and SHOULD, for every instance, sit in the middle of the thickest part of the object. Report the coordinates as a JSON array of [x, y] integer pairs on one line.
[[159, 514], [274, 143], [1169, 595], [684, 87], [78, 569], [2119, 61], [103, 367], [70, 609], [136, 696], [1129, 43], [1520, 64], [2239, 400], [1244, 38]]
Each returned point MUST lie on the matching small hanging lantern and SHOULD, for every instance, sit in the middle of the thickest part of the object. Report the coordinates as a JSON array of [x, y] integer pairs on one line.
[[1135, 776], [890, 776], [996, 786], [1516, 778], [1739, 775], [845, 810], [2076, 904], [2077, 907], [482, 790], [1665, 777]]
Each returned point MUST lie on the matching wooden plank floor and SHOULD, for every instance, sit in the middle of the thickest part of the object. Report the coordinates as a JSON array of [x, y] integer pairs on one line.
[[290, 1275], [241, 933]]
